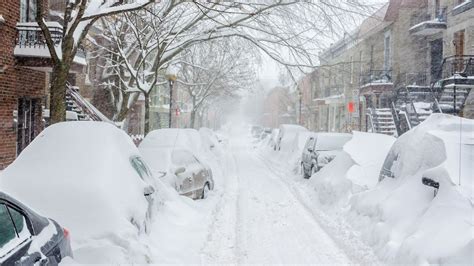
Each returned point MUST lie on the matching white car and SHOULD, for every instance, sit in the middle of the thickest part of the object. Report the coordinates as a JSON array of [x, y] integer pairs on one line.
[[320, 149], [286, 135], [169, 154], [88, 176]]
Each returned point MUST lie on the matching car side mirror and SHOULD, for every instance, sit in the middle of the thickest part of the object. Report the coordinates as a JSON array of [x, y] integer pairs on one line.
[[212, 146], [431, 183], [147, 191], [310, 149], [179, 170]]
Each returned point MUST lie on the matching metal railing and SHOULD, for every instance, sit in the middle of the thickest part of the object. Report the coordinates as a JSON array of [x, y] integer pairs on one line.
[[457, 64], [30, 35], [376, 76]]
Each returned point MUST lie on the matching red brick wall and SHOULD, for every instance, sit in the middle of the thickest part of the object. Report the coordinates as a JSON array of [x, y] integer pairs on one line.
[[15, 82]]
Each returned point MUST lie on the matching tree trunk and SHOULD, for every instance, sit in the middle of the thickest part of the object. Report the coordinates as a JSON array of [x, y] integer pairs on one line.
[[122, 114], [58, 94], [147, 113], [192, 118]]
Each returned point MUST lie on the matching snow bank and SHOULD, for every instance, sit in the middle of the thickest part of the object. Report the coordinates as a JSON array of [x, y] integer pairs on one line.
[[402, 219], [79, 174], [353, 170], [286, 137]]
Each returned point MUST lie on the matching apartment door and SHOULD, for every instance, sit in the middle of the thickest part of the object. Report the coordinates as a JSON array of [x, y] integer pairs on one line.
[[459, 44], [436, 59], [26, 122]]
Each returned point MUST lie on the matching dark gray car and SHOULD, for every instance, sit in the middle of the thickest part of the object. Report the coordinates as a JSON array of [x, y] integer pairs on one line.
[[19, 228]]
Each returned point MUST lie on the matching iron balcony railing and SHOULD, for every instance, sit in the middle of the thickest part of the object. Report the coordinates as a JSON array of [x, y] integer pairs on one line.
[[376, 76], [458, 64], [30, 35]]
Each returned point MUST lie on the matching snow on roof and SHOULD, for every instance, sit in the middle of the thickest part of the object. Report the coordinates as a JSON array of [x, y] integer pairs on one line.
[[79, 174]]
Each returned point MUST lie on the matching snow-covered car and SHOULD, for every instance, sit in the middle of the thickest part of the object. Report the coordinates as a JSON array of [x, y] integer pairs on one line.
[[286, 135], [170, 155], [27, 238], [180, 168], [320, 149], [82, 174], [425, 194], [256, 131]]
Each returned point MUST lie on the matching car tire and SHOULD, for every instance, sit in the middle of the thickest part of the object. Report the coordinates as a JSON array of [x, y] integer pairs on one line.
[[205, 191], [303, 170], [314, 169]]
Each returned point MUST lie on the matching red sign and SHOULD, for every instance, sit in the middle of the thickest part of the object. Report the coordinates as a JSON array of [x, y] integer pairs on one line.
[[177, 112], [350, 107]]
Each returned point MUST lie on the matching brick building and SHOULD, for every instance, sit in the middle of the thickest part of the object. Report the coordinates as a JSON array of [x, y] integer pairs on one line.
[[398, 67], [25, 65]]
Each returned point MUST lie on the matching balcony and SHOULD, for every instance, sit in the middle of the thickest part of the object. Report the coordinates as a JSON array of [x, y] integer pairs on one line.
[[426, 26], [376, 81], [32, 51]]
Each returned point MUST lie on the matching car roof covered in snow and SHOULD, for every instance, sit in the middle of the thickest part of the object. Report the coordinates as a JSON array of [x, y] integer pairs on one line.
[[292, 128], [331, 141], [173, 137], [84, 168]]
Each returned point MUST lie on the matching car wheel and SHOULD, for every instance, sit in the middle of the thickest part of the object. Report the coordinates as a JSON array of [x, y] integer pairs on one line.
[[314, 169], [303, 170], [205, 191]]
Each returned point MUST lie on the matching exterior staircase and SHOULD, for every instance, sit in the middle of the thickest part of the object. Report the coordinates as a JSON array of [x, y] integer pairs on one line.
[[381, 121]]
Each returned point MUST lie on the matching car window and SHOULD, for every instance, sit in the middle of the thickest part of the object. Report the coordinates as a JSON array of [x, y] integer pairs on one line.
[[141, 168], [386, 170], [7, 229], [309, 143], [19, 220], [13, 229]]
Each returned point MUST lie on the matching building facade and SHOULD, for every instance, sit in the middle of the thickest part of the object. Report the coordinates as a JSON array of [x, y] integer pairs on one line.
[[398, 62]]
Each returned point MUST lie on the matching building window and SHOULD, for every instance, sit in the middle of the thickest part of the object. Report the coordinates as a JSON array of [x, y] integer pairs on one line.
[[27, 10], [387, 52]]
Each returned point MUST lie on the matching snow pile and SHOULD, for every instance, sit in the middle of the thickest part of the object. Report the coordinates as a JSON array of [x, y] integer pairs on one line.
[[79, 174], [355, 169], [402, 219], [286, 137]]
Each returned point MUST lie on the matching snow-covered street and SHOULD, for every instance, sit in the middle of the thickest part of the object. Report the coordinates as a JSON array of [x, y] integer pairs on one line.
[[265, 222]]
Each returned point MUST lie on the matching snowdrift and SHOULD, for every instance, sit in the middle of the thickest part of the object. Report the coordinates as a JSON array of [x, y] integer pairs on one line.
[[355, 169], [399, 216], [402, 218], [79, 174]]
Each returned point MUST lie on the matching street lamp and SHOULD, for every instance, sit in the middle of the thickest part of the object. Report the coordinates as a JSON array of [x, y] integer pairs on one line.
[[171, 76]]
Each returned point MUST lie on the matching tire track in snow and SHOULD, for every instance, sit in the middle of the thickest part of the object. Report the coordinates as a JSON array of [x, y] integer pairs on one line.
[[275, 227], [341, 233], [221, 244]]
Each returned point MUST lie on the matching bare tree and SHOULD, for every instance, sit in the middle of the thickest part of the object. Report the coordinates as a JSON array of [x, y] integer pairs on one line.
[[78, 18], [214, 70], [290, 32]]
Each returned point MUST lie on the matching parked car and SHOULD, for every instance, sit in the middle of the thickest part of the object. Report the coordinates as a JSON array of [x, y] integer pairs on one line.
[[27, 238], [320, 149], [286, 135], [88, 176], [256, 131], [177, 164]]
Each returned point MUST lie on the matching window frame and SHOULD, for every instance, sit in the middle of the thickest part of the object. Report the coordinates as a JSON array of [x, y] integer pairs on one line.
[[21, 242]]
